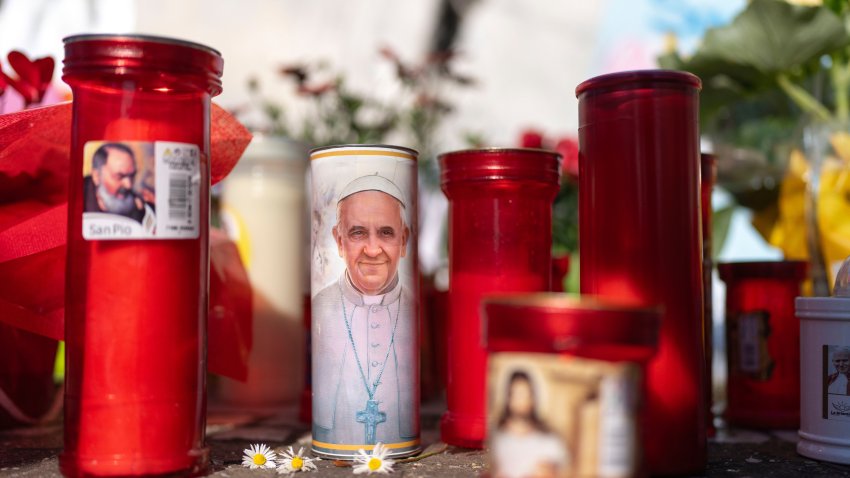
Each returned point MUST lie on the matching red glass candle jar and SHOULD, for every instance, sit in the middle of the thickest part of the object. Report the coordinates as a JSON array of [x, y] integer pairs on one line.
[[708, 176], [583, 361], [137, 273], [500, 240], [639, 230], [762, 343]]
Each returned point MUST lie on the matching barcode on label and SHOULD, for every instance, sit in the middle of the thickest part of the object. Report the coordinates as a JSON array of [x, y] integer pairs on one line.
[[179, 206]]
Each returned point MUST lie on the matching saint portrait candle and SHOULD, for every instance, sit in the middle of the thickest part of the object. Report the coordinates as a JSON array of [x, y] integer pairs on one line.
[[137, 270], [365, 327]]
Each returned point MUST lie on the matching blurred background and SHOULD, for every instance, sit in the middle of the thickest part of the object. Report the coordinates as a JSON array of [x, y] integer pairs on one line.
[[438, 75]]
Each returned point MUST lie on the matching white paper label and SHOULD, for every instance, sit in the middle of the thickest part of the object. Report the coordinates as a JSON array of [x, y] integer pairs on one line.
[[836, 382], [141, 190], [617, 427]]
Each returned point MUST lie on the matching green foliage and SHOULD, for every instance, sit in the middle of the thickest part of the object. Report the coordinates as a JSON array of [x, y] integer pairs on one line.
[[565, 218], [720, 221], [338, 114], [773, 46]]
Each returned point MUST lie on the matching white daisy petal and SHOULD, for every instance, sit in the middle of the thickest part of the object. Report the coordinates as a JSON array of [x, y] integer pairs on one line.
[[291, 462], [374, 462], [259, 455]]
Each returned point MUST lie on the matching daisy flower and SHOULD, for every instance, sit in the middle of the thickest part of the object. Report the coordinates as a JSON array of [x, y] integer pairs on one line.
[[290, 462], [259, 456], [374, 462]]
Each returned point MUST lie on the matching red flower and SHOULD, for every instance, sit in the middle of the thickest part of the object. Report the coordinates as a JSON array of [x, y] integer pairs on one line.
[[33, 76], [318, 90], [531, 138], [298, 72], [568, 147]]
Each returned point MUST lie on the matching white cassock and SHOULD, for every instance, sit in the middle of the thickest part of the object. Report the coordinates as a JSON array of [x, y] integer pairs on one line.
[[384, 329], [839, 385]]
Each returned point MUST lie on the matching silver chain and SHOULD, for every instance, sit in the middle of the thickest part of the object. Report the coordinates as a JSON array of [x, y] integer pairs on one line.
[[369, 390]]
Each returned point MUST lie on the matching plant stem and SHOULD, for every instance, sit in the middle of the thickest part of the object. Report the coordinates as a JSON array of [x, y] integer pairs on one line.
[[803, 98], [840, 75]]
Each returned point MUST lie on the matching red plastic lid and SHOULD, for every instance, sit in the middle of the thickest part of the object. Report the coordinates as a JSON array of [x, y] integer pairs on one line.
[[637, 79], [90, 55], [500, 163], [559, 323], [780, 270]]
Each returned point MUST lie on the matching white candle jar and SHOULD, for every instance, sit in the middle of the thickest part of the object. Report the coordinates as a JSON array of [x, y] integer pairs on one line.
[[825, 373], [263, 210]]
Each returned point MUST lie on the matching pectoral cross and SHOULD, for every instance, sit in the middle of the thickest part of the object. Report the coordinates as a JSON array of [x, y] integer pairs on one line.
[[371, 417]]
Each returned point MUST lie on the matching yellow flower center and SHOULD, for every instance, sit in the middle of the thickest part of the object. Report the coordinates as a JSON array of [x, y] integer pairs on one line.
[[259, 459], [297, 463], [374, 464]]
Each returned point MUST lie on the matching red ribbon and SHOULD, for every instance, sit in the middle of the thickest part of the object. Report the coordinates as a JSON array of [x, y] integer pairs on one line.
[[34, 158]]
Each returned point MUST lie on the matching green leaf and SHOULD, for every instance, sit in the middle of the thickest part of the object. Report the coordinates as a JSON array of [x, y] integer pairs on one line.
[[721, 219], [774, 37], [671, 61]]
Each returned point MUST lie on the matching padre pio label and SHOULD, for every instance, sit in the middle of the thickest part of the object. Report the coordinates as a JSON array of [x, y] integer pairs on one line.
[[141, 190]]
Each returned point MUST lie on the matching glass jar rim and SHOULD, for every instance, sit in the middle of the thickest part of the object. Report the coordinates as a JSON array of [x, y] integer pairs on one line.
[[779, 270], [140, 37], [626, 80], [130, 54], [355, 147], [558, 322], [500, 163]]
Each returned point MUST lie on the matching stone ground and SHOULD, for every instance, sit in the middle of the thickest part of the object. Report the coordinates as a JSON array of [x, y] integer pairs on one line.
[[32, 452]]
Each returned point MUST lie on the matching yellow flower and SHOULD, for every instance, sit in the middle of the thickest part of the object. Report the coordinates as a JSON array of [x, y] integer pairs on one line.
[[259, 456], [806, 3], [375, 462], [291, 462]]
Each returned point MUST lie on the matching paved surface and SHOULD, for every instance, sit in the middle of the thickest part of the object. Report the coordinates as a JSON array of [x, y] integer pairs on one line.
[[32, 452]]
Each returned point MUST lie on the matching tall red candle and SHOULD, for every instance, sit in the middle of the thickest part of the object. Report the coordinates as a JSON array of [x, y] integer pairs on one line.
[[500, 240], [136, 297], [762, 343], [708, 176], [639, 229]]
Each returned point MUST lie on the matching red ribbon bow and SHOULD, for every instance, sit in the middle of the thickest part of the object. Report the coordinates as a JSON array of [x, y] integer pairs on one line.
[[34, 159], [33, 76]]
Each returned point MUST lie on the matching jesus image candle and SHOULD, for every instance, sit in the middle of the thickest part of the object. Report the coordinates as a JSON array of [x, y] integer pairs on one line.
[[137, 269], [365, 328]]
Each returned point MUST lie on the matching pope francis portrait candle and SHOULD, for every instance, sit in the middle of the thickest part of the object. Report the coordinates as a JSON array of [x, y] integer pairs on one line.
[[365, 324]]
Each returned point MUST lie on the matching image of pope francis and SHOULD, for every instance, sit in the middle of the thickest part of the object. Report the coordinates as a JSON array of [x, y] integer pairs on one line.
[[365, 329]]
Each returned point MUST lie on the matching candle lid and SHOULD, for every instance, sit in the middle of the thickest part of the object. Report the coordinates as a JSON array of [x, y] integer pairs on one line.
[[128, 55], [559, 323], [637, 79], [500, 163], [354, 149], [779, 270]]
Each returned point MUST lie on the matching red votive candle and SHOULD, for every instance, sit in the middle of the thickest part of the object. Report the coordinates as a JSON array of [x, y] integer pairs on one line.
[[137, 269], [762, 343], [500, 240], [584, 361], [639, 230]]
